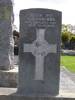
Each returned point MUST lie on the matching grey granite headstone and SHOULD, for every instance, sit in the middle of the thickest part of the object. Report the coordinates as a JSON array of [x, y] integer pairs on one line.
[[39, 52], [6, 35]]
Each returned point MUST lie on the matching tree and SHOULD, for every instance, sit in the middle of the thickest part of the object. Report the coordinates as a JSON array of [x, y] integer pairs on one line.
[[72, 42], [65, 36]]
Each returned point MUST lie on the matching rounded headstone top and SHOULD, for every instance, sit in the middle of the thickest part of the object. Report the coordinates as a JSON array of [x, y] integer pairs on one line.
[[6, 2], [39, 10], [40, 17]]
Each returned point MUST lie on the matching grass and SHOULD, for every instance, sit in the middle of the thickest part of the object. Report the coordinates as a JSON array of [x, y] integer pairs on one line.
[[68, 62]]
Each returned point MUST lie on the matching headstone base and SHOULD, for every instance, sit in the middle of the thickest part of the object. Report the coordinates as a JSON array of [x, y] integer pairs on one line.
[[9, 78], [10, 94]]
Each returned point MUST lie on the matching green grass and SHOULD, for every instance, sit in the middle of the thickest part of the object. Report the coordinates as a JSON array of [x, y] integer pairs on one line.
[[68, 62]]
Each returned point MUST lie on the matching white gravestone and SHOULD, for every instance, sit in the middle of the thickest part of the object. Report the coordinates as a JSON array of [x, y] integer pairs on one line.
[[40, 48]]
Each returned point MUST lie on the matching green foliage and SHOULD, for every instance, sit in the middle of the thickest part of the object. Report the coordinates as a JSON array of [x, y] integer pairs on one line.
[[64, 28], [65, 37], [72, 42], [72, 38]]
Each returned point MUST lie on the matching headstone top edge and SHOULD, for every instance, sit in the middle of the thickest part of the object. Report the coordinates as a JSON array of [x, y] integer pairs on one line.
[[6, 2], [33, 10]]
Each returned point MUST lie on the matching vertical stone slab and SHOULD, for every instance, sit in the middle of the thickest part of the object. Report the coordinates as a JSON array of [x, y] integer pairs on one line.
[[39, 52], [6, 35]]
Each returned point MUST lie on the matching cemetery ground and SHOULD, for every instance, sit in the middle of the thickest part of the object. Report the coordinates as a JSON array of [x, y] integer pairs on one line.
[[69, 62]]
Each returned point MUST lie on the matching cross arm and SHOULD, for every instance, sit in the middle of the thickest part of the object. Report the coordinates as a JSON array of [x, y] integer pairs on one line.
[[28, 47]]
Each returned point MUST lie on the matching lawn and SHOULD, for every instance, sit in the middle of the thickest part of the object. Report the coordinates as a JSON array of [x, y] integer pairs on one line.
[[68, 62]]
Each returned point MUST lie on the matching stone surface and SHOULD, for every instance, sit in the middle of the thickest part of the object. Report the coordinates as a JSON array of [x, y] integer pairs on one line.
[[67, 88], [9, 78], [40, 48], [39, 52], [67, 84], [6, 35], [6, 2], [10, 94]]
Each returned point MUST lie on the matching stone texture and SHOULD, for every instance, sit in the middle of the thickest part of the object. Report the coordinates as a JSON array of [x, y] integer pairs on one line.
[[10, 94], [9, 78], [69, 94], [40, 31], [6, 35], [6, 2]]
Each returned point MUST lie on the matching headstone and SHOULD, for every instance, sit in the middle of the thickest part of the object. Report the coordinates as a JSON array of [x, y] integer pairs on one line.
[[6, 35], [39, 52]]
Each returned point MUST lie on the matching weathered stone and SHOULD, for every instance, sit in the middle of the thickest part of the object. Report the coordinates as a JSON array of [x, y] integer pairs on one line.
[[39, 52], [6, 2], [9, 94], [6, 35], [9, 78]]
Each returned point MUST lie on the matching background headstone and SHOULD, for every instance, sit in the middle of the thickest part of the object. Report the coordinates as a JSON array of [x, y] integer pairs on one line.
[[39, 52], [6, 35]]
